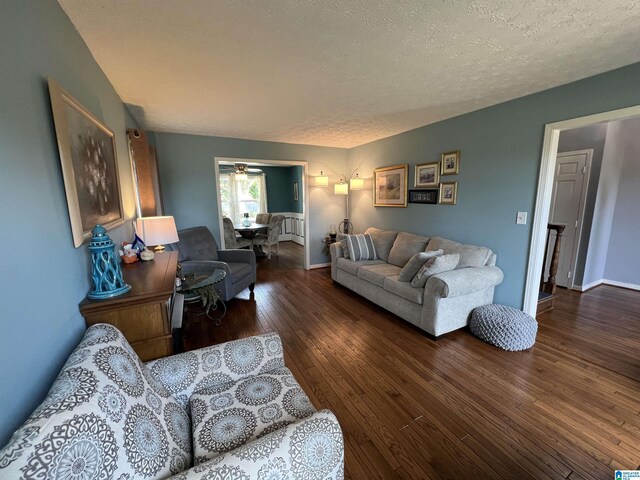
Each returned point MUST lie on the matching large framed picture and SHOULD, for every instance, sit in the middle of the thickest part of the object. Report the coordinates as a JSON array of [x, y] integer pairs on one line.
[[390, 186], [448, 193], [427, 175], [450, 163], [89, 166]]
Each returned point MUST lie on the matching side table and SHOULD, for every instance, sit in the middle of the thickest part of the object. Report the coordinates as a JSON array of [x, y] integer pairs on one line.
[[201, 289]]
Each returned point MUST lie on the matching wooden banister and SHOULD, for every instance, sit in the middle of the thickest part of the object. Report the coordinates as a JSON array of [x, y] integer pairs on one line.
[[550, 285]]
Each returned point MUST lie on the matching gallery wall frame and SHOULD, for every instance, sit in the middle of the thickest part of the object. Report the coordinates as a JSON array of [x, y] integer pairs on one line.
[[390, 186]]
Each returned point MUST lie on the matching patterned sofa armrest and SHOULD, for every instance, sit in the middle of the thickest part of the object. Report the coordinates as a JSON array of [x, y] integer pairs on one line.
[[309, 448], [188, 372]]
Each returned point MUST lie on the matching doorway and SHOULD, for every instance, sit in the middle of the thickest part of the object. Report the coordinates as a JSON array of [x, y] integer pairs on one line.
[[276, 187], [567, 208], [545, 194]]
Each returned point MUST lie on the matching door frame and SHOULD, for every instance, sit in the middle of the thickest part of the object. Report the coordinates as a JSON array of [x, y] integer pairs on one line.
[[544, 192], [581, 206], [275, 163]]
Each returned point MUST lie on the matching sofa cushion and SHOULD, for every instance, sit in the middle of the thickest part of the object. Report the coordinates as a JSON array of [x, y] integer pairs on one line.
[[394, 285], [352, 267], [405, 247], [433, 266], [358, 247], [105, 416], [470, 255], [226, 417], [413, 265], [376, 273], [383, 241], [239, 271]]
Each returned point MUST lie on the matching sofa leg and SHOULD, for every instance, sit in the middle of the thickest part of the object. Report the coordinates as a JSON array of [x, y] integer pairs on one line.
[[251, 287]]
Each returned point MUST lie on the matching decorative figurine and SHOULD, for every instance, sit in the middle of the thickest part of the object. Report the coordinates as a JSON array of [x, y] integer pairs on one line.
[[105, 267], [146, 255]]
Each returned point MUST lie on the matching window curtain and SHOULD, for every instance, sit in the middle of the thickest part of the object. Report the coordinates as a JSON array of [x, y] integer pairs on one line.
[[263, 193], [234, 214]]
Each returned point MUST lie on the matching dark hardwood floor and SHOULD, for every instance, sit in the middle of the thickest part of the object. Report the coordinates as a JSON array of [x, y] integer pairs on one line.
[[458, 408]]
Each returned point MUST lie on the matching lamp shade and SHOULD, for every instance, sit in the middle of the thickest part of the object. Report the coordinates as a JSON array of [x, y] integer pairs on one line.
[[357, 183], [157, 230], [341, 188], [321, 180]]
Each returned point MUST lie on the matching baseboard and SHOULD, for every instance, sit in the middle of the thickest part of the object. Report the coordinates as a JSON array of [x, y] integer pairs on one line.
[[588, 286], [604, 281], [319, 265], [615, 283]]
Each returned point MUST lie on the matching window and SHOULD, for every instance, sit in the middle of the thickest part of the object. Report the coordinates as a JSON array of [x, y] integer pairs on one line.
[[240, 197]]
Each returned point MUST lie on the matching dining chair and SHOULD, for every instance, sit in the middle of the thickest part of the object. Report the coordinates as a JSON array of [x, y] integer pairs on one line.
[[231, 239], [263, 218], [272, 235]]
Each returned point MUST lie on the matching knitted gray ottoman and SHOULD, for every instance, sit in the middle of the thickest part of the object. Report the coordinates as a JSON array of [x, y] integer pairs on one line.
[[505, 327]]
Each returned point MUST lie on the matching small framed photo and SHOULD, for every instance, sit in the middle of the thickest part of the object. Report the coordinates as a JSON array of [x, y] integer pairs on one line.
[[448, 193], [427, 175], [450, 163], [390, 186], [424, 196]]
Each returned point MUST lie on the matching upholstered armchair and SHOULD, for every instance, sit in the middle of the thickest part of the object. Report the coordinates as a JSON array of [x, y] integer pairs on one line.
[[272, 235], [198, 253], [231, 239], [263, 218]]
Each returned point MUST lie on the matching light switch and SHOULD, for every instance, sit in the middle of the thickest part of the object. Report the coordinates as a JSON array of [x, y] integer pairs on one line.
[[521, 219]]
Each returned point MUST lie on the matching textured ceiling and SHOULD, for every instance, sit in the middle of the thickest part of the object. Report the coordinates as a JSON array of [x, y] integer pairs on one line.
[[343, 72]]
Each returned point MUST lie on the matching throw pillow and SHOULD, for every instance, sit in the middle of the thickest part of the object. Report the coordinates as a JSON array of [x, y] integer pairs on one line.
[[433, 266], [413, 265], [227, 416], [359, 247]]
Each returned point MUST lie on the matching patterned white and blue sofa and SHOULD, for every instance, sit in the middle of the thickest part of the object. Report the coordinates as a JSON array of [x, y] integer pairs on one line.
[[230, 411]]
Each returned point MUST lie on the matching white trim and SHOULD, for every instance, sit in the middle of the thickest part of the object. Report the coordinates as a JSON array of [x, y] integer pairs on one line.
[[319, 265], [257, 161], [588, 286], [543, 197], [615, 283]]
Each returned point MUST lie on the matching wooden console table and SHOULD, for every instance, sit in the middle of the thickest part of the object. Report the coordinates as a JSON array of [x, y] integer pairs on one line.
[[143, 314]]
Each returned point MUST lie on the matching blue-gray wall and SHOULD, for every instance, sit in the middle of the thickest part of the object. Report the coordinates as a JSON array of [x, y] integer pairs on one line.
[[501, 149], [43, 276], [189, 184], [280, 188]]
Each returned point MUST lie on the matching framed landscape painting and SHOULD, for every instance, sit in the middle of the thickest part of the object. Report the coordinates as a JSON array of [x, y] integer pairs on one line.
[[427, 175], [390, 186], [89, 166]]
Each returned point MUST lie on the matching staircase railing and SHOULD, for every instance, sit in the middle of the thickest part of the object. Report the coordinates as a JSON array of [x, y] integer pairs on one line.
[[550, 285]]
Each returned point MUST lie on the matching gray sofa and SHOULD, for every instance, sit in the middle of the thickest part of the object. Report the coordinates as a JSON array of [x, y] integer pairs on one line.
[[198, 253], [446, 301]]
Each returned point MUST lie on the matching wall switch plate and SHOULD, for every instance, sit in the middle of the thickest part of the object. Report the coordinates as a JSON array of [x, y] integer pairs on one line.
[[521, 219]]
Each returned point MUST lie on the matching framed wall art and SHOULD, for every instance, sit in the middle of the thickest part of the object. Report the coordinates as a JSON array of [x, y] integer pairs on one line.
[[450, 164], [89, 166], [390, 186], [448, 193], [424, 196], [427, 175]]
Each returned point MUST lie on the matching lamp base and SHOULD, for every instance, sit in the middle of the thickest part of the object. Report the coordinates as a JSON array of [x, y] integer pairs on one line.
[[158, 248]]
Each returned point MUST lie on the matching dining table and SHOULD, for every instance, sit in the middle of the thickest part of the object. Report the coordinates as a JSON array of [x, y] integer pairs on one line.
[[249, 232]]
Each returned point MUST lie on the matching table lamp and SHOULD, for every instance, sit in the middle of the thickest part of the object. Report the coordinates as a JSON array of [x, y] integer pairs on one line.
[[157, 231]]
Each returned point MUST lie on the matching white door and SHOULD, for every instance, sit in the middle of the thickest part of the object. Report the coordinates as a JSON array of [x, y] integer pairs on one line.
[[567, 208]]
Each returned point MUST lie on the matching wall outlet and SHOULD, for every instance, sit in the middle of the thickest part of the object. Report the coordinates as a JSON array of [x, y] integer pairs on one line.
[[521, 218]]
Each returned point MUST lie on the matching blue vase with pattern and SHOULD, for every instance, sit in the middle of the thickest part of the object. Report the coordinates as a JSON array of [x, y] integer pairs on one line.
[[105, 267]]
